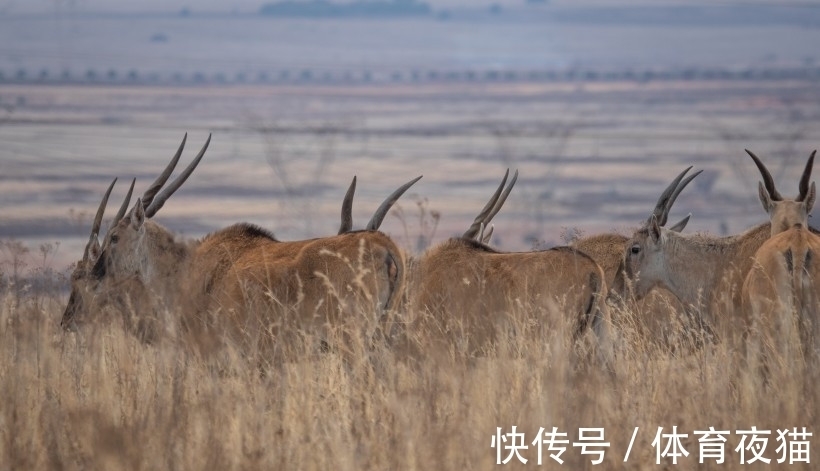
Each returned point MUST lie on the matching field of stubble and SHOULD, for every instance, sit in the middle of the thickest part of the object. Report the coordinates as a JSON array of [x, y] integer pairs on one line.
[[594, 158]]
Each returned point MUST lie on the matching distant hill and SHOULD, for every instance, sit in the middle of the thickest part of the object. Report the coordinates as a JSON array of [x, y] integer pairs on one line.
[[357, 9]]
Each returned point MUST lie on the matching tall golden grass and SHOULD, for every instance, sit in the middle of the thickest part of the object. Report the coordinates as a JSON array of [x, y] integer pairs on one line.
[[101, 399]]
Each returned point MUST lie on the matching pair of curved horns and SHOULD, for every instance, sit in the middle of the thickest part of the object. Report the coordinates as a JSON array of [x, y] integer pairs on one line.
[[768, 181], [95, 226], [492, 207], [381, 212], [153, 199], [669, 195]]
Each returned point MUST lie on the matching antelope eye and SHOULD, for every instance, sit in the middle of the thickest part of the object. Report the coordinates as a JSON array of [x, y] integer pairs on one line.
[[115, 238], [635, 249]]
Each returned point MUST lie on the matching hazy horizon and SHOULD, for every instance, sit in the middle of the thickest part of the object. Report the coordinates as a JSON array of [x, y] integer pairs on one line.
[[557, 36], [68, 83]]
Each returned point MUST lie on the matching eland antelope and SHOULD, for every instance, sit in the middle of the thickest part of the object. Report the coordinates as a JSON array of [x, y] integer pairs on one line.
[[239, 280], [780, 293], [467, 293], [319, 286], [702, 271], [660, 314]]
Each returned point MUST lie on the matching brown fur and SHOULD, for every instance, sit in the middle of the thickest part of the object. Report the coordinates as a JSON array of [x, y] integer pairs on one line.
[[608, 251], [239, 280], [317, 286], [780, 294], [467, 290], [242, 278]]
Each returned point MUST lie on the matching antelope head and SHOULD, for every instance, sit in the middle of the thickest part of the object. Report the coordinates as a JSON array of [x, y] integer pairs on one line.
[[126, 248], [83, 284], [645, 252], [129, 249], [785, 213]]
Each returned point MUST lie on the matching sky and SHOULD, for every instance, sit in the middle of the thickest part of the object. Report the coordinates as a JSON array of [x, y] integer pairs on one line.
[[250, 6]]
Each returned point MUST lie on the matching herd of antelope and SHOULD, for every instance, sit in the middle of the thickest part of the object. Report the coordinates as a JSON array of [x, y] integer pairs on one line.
[[242, 285]]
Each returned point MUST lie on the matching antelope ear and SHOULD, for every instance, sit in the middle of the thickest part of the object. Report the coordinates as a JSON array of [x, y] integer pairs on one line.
[[680, 225], [809, 201], [486, 237], [765, 199], [137, 215], [94, 248], [654, 229]]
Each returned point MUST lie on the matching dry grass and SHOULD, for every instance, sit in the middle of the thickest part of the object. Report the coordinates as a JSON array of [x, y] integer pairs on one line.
[[100, 399]]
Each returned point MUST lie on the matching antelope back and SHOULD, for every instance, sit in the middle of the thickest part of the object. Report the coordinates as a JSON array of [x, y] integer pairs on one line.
[[467, 290], [780, 293], [312, 287], [608, 251]]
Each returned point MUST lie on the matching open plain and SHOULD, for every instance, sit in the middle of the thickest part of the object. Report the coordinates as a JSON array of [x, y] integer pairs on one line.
[[592, 157]]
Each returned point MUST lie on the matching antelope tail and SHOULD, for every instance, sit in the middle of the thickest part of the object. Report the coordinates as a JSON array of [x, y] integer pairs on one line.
[[598, 317], [589, 317], [395, 276], [798, 262]]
